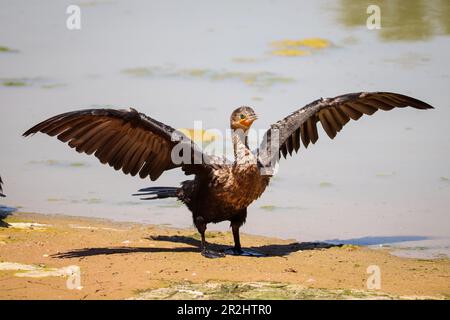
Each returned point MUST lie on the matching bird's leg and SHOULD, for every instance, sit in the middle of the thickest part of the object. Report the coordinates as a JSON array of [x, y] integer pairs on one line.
[[237, 249], [201, 227], [237, 239]]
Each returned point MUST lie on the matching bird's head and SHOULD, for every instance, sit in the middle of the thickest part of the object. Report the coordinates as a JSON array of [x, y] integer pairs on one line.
[[242, 118]]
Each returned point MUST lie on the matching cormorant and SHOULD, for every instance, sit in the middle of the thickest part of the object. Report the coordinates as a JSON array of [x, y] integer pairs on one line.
[[221, 190]]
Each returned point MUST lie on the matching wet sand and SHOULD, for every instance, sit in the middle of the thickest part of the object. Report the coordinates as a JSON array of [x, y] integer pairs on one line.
[[128, 260]]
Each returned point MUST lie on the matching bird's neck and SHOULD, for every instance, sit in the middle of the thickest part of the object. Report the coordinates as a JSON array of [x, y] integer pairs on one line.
[[240, 144]]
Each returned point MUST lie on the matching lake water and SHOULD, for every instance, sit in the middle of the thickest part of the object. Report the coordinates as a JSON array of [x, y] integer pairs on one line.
[[384, 180]]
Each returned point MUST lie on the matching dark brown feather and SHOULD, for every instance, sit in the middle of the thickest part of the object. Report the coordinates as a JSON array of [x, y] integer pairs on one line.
[[352, 113], [296, 140], [128, 162], [362, 107], [380, 104], [312, 129], [331, 120], [326, 126], [340, 116], [304, 135], [147, 166], [289, 145]]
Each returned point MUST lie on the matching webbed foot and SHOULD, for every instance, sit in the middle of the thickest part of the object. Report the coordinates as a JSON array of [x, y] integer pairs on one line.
[[243, 252], [212, 254]]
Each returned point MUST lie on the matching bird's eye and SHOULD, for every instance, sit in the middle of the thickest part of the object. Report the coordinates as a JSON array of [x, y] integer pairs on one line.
[[242, 116]]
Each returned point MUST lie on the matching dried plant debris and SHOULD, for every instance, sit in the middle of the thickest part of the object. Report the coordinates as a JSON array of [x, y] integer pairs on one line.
[[28, 225], [212, 290], [38, 271]]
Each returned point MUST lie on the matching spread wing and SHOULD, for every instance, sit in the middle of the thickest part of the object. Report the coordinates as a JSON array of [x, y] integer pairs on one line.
[[300, 127], [1, 190], [125, 139]]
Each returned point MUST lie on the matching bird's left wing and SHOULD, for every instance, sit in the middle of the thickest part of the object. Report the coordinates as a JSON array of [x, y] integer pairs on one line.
[[125, 139], [286, 135]]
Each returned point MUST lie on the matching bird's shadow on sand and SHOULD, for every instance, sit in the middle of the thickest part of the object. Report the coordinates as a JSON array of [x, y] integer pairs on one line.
[[268, 250]]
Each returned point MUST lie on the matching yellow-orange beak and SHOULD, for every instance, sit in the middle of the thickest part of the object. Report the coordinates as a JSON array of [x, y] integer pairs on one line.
[[248, 121]]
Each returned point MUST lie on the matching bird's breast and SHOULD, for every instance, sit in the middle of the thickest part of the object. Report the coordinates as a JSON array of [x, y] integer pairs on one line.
[[238, 185]]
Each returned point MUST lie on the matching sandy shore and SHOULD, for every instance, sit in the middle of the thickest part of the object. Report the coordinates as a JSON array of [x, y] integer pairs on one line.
[[124, 260]]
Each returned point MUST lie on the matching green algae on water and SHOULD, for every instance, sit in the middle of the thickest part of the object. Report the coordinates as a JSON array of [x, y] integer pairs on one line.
[[254, 78], [325, 184], [5, 49], [13, 83]]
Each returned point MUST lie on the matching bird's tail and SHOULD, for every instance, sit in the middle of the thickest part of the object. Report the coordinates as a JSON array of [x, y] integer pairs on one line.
[[157, 193]]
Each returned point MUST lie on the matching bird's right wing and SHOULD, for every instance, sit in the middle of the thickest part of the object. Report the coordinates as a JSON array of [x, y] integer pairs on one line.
[[286, 135], [124, 139]]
